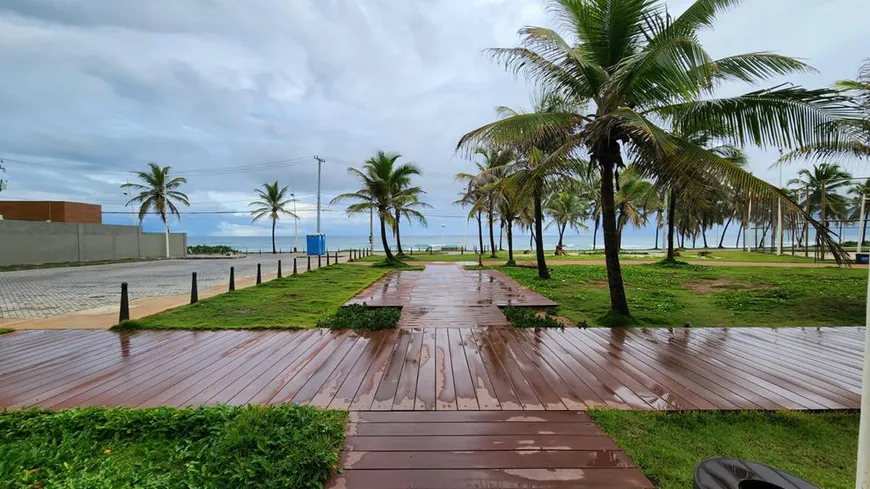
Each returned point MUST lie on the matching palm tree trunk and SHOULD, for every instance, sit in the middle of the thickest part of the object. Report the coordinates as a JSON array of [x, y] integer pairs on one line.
[[704, 235], [384, 241], [539, 234], [166, 223], [398, 237], [722, 238], [739, 234], [658, 220], [492, 248], [672, 208], [510, 241], [273, 236], [618, 301], [480, 231], [500, 232], [595, 231]]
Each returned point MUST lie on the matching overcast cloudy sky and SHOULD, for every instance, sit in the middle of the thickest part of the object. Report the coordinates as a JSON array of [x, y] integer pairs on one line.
[[92, 89]]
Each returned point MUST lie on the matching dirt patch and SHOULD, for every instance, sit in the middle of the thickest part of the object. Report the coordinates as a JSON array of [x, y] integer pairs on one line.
[[720, 285], [599, 283], [559, 319], [242, 312]]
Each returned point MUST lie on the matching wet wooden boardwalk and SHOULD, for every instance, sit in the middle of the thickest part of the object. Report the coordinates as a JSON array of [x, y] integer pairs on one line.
[[446, 296], [441, 450], [465, 369]]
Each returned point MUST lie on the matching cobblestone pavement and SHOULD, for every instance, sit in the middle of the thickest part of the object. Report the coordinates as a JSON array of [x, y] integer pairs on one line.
[[49, 292]]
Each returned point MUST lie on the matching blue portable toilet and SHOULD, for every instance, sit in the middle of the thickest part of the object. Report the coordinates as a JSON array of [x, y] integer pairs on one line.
[[316, 244]]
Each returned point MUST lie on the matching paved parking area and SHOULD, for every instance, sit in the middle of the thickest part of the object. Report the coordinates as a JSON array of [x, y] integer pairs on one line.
[[31, 294]]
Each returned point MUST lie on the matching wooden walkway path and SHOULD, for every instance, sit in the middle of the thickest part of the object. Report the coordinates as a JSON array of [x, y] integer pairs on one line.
[[466, 369], [438, 450]]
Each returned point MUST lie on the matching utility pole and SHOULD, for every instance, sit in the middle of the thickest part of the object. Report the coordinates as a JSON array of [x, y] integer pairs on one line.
[[295, 221], [319, 165]]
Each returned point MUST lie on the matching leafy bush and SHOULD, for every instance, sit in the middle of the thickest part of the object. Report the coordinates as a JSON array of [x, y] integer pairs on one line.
[[525, 317], [359, 316], [211, 447], [211, 250]]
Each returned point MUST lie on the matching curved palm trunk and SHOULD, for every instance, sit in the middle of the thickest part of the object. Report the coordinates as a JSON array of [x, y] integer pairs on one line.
[[166, 224], [595, 232], [273, 236], [492, 248], [539, 235], [704, 236], [384, 241], [618, 301], [672, 209], [658, 220], [480, 232], [510, 241], [739, 234], [722, 238], [398, 236]]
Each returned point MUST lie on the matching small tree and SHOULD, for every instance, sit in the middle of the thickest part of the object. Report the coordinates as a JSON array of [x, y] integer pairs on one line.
[[271, 202], [158, 192]]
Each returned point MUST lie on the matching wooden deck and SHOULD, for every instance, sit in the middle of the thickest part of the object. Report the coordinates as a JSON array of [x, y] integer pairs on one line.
[[465, 369], [438, 450]]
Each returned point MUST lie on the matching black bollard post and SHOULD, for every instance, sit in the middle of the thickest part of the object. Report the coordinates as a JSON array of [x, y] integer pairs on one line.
[[461, 250], [232, 278], [294, 265], [194, 293], [259, 275], [327, 258], [309, 263], [336, 257], [279, 268], [124, 314]]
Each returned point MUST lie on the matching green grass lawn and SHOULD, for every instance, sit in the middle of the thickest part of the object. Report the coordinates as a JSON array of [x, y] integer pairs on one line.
[[6, 330], [290, 302], [818, 447], [212, 447], [661, 295], [633, 255]]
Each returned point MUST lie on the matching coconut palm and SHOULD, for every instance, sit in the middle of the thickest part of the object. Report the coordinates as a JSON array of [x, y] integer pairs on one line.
[[158, 191], [488, 172], [271, 201], [860, 192], [567, 209], [471, 197], [646, 72], [406, 203], [825, 182], [380, 176], [635, 200], [510, 207]]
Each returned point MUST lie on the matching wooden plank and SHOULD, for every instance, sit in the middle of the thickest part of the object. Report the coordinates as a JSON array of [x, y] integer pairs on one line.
[[406, 389], [483, 357], [365, 394], [318, 368], [469, 389], [386, 391], [469, 417], [330, 374], [378, 341], [361, 351], [445, 386], [424, 398], [525, 459], [321, 340], [479, 443], [549, 387], [467, 429], [500, 478]]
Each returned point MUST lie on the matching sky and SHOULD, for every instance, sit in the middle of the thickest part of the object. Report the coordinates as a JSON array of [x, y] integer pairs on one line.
[[233, 94]]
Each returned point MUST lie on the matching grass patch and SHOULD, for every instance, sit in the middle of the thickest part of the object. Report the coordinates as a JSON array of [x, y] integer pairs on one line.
[[359, 316], [297, 301], [393, 265], [675, 294], [528, 317], [228, 447], [818, 447], [6, 330]]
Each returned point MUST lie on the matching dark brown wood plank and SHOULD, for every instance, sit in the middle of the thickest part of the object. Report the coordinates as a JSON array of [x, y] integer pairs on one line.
[[473, 390], [479, 443], [358, 357], [469, 417], [328, 377], [548, 386], [407, 387], [467, 429], [386, 391], [379, 341], [499, 352], [322, 340], [526, 459], [318, 368], [501, 385], [424, 396], [371, 382], [500, 478], [445, 386]]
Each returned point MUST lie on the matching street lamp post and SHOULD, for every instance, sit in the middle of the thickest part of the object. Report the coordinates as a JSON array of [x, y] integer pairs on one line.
[[442, 236], [295, 225]]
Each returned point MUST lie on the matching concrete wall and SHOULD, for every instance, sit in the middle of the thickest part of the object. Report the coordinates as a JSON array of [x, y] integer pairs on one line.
[[31, 242]]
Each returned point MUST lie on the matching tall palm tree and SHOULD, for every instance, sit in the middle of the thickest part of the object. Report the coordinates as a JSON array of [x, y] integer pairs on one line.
[[271, 201], [860, 192], [471, 197], [641, 68], [510, 207], [380, 176], [825, 182], [406, 203], [635, 200], [567, 209], [158, 191], [494, 161]]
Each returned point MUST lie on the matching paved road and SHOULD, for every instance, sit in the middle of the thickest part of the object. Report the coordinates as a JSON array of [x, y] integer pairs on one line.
[[52, 291]]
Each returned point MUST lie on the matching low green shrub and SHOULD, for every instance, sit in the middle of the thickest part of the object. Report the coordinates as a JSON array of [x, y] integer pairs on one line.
[[211, 447], [211, 250], [360, 316], [525, 317]]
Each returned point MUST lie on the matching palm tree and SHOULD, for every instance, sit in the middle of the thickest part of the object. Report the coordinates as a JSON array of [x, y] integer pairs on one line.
[[853, 132], [159, 192], [271, 202], [494, 161], [860, 192], [510, 207], [635, 200], [406, 203], [567, 209], [824, 182], [470, 197], [381, 177], [640, 67]]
